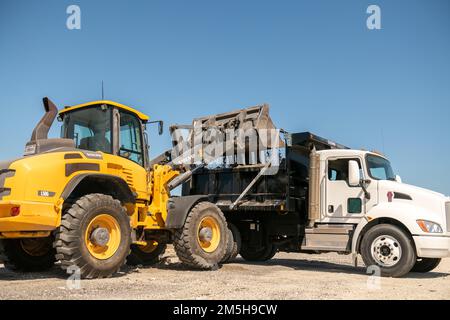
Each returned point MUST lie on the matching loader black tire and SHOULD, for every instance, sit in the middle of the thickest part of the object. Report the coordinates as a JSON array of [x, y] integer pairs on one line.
[[261, 254], [395, 237], [146, 256], [29, 254], [425, 264], [234, 244], [73, 238], [188, 246]]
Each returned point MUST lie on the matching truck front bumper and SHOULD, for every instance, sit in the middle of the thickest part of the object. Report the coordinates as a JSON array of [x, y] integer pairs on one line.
[[432, 246]]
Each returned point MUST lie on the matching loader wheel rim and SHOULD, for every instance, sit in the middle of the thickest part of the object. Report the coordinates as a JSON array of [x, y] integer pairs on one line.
[[103, 236], [149, 247], [208, 234]]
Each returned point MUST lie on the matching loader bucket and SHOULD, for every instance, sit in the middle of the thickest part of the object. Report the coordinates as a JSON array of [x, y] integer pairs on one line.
[[256, 117], [231, 124]]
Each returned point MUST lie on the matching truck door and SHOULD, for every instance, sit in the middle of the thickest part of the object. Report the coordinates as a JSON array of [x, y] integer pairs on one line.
[[342, 200]]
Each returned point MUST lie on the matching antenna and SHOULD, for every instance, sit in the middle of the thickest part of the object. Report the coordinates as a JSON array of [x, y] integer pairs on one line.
[[103, 92]]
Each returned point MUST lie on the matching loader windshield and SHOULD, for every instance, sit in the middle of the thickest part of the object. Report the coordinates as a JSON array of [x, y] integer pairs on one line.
[[90, 128]]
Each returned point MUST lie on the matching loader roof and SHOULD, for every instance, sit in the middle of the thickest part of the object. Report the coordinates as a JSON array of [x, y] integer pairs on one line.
[[139, 114]]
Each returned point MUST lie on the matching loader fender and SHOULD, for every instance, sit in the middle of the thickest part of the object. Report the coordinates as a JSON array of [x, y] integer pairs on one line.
[[178, 209], [105, 183]]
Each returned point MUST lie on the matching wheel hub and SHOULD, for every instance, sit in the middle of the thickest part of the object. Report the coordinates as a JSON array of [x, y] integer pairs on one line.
[[386, 251], [208, 234], [205, 234], [100, 236], [103, 236]]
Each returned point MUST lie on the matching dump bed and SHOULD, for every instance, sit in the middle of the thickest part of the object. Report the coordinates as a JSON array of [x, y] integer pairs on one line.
[[286, 190]]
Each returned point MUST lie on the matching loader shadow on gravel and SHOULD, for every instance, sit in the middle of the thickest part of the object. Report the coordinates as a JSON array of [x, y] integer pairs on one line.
[[12, 275], [167, 264], [54, 273]]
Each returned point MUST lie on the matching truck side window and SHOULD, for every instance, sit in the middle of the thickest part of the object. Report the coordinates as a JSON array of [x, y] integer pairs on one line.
[[338, 169]]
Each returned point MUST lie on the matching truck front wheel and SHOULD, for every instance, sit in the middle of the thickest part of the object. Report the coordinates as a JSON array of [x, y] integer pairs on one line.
[[426, 264], [389, 248], [202, 242]]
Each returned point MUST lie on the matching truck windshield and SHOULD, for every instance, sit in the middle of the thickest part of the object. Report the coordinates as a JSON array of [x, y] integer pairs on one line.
[[379, 168]]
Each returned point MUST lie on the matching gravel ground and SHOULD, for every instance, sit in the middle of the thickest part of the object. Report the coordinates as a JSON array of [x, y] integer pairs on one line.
[[286, 276]]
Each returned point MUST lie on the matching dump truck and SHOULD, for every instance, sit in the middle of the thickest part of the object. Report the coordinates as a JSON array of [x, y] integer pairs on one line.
[[93, 199], [325, 197]]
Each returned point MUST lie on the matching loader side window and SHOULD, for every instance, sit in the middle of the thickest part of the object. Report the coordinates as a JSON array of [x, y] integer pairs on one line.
[[131, 138]]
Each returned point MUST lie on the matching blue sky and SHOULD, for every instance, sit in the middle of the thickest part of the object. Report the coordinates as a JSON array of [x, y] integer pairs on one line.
[[314, 62]]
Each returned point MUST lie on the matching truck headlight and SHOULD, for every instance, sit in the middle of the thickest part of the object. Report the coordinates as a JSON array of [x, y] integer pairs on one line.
[[429, 226]]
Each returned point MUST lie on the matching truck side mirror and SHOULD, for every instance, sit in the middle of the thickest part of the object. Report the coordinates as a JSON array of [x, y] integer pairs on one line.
[[398, 179], [354, 177]]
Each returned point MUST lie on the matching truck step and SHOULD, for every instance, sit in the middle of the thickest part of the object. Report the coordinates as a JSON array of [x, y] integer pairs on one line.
[[328, 237]]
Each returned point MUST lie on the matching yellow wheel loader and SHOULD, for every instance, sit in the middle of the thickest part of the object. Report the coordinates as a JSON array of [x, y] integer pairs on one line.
[[94, 200]]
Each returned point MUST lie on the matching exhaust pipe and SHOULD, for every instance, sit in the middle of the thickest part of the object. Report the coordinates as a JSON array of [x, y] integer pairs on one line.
[[41, 130], [39, 139]]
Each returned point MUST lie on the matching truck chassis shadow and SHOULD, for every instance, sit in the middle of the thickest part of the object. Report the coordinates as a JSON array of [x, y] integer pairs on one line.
[[325, 266]]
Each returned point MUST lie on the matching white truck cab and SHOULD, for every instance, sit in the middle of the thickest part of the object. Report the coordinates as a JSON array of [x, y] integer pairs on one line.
[[396, 226]]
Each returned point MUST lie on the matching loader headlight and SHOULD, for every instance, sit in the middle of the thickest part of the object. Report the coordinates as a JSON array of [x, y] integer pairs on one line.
[[429, 226]]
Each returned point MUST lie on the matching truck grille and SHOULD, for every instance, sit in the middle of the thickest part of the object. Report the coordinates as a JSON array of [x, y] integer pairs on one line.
[[447, 214]]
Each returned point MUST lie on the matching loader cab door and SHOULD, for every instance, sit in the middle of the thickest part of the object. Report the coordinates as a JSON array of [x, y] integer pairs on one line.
[[343, 202], [130, 151], [131, 138]]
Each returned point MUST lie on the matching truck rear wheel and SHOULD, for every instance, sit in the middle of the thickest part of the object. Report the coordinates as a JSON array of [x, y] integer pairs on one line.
[[389, 248], [94, 235], [29, 254], [426, 264], [264, 253], [146, 255], [233, 245], [202, 241]]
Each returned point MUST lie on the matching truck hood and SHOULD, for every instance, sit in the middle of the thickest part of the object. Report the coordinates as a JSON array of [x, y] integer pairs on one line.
[[421, 197]]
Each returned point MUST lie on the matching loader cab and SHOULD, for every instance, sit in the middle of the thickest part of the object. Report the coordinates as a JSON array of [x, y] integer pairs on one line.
[[107, 127]]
